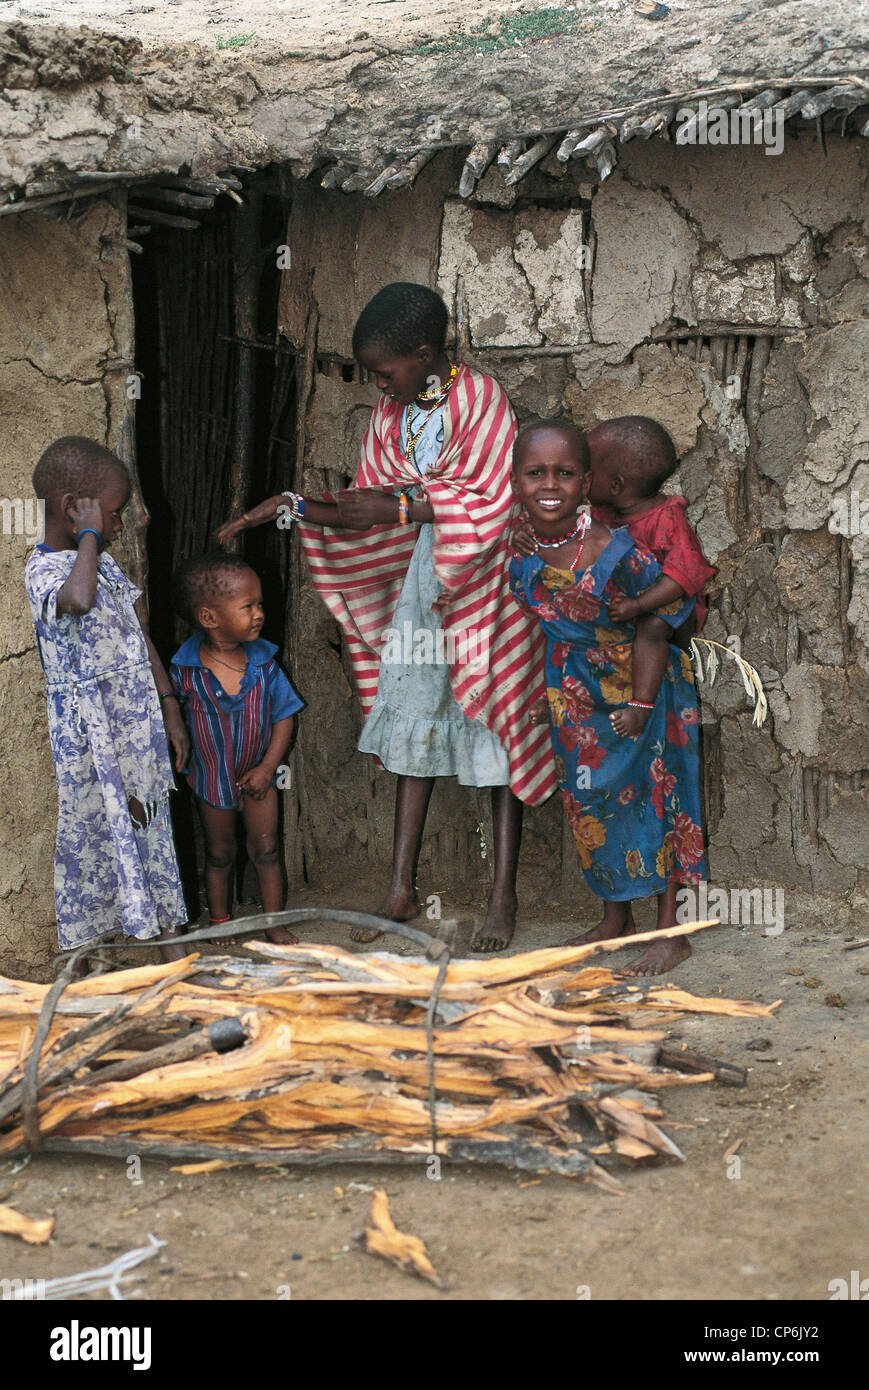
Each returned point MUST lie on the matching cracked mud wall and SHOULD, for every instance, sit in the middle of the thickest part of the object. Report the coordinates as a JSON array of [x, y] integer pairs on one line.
[[66, 336], [559, 287]]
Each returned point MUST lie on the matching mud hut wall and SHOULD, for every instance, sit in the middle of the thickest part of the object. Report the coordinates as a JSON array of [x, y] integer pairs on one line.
[[66, 336], [559, 287]]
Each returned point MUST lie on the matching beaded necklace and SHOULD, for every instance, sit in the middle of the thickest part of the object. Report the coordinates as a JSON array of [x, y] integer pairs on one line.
[[437, 397], [578, 530]]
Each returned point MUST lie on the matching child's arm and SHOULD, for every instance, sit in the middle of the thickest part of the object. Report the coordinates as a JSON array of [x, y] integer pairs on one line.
[[78, 592], [356, 509], [658, 595], [256, 783], [176, 729], [651, 648]]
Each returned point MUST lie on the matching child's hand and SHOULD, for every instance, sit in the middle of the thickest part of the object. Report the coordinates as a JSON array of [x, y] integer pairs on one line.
[[257, 516], [256, 783], [85, 511], [539, 711], [624, 609], [176, 733], [630, 722], [522, 539]]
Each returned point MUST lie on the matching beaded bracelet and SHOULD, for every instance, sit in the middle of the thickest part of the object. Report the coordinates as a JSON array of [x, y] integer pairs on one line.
[[639, 704], [403, 509], [88, 531], [297, 505]]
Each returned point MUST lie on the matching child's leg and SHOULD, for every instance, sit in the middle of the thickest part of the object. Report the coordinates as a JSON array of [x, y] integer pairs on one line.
[[261, 823], [651, 650], [169, 942], [218, 826], [411, 806], [617, 920], [497, 930], [660, 956]]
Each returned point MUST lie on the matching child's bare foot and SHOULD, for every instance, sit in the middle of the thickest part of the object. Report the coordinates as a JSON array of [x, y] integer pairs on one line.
[[659, 957], [281, 937], [630, 722], [171, 945], [399, 905], [497, 931], [604, 931], [539, 711]]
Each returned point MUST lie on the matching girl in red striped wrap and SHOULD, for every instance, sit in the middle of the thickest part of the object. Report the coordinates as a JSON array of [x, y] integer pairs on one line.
[[412, 562]]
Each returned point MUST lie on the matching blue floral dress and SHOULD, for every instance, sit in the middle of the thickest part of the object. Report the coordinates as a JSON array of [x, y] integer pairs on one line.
[[633, 804], [109, 744]]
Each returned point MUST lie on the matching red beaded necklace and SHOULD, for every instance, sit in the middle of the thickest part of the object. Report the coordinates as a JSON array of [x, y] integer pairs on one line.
[[578, 530]]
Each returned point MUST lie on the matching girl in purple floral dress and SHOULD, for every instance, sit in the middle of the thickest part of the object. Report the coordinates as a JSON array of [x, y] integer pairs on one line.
[[632, 802], [115, 865]]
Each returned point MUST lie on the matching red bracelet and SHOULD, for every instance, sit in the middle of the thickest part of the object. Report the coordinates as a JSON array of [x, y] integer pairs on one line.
[[639, 704]]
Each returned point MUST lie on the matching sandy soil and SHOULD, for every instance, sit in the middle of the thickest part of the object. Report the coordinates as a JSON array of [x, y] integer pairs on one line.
[[794, 1219]]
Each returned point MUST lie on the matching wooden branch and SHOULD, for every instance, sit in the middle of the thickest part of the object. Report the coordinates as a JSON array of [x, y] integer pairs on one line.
[[408, 172], [510, 152], [477, 162], [378, 184], [846, 96], [728, 1072], [174, 198], [539, 150], [162, 219]]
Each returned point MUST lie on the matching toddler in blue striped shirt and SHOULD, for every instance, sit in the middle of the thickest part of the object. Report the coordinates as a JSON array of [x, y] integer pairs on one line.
[[240, 710]]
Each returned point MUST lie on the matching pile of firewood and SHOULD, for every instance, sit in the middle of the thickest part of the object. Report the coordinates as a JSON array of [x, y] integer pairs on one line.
[[311, 1054]]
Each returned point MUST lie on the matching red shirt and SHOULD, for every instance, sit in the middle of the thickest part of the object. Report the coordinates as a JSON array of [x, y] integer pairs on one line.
[[665, 531]]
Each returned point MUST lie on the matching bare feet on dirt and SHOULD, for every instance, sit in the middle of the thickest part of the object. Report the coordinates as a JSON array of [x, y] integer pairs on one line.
[[399, 905], [496, 933], [659, 957]]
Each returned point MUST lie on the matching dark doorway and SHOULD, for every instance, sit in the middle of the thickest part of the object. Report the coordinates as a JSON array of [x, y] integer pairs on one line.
[[216, 421]]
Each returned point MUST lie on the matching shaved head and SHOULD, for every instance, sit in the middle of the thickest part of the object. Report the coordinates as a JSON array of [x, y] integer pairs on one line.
[[566, 428], [641, 447]]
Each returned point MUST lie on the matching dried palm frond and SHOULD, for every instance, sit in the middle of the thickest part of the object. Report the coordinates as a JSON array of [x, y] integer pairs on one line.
[[750, 678]]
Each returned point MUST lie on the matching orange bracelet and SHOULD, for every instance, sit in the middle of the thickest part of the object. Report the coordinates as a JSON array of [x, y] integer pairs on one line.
[[403, 509]]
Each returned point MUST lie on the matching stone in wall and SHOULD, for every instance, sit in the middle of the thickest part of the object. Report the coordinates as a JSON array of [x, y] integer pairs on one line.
[[548, 245], [477, 244], [724, 292], [645, 254], [805, 585], [523, 274]]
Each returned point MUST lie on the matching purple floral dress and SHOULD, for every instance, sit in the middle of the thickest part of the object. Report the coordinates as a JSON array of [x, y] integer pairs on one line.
[[109, 744]]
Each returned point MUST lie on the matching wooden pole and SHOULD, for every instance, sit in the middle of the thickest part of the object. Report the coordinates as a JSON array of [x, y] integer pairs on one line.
[[245, 287]]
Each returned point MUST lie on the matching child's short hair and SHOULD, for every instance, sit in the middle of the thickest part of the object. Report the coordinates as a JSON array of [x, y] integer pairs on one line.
[[648, 454], [205, 580], [400, 318], [565, 427], [76, 465]]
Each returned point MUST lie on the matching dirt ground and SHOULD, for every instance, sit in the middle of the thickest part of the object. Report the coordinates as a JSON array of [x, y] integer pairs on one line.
[[780, 1225]]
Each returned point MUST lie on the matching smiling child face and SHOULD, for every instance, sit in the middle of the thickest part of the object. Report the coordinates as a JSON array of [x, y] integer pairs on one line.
[[549, 480]]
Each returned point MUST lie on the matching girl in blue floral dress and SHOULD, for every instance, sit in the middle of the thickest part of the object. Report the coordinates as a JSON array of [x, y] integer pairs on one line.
[[633, 803], [110, 709]]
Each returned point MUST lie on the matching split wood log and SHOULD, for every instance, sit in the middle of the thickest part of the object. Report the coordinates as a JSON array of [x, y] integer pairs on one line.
[[345, 1057], [508, 154]]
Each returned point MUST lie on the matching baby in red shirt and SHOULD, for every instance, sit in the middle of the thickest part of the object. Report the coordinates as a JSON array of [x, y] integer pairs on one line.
[[630, 458]]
